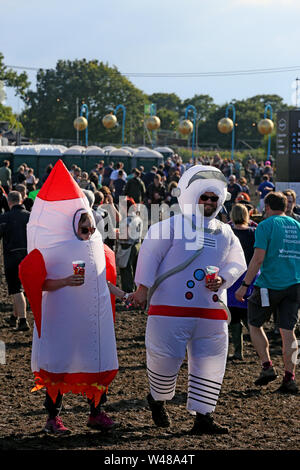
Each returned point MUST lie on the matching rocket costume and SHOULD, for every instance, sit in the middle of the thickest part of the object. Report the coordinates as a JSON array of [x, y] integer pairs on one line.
[[183, 313], [74, 347]]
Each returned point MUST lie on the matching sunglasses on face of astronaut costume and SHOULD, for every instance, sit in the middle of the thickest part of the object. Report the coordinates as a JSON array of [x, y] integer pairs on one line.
[[205, 198], [86, 230]]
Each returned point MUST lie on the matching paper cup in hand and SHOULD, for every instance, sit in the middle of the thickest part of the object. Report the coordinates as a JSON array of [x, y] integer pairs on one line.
[[78, 267], [211, 272]]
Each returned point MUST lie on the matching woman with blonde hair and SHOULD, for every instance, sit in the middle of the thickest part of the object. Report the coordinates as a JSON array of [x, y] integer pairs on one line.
[[240, 219]]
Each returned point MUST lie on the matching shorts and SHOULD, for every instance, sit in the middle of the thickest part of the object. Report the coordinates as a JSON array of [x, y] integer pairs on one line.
[[11, 271], [285, 302]]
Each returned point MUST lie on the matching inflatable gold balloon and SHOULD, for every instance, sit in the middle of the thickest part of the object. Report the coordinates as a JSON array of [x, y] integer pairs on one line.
[[265, 126], [185, 127], [153, 123], [225, 125], [80, 123], [109, 121]]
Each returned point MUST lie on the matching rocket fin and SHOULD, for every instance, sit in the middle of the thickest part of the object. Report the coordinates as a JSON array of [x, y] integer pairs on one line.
[[111, 273], [32, 273]]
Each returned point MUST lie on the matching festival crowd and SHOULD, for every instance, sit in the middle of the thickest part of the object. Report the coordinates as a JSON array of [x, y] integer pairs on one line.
[[250, 234]]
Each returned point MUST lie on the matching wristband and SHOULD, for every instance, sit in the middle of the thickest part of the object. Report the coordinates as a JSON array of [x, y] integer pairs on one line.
[[125, 297], [245, 285]]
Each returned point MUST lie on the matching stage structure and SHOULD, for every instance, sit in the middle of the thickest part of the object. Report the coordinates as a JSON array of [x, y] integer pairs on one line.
[[288, 151]]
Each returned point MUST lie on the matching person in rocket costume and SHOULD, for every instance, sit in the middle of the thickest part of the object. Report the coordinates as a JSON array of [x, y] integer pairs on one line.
[[74, 347], [186, 312]]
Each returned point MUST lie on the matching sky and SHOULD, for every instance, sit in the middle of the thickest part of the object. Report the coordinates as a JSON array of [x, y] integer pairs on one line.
[[161, 37]]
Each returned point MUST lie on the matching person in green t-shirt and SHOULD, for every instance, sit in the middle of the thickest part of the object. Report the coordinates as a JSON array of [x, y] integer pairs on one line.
[[33, 194], [277, 256]]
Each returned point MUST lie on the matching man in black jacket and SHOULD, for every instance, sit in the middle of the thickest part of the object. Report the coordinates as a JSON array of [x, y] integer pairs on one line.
[[13, 231], [156, 192], [135, 188], [3, 201], [149, 177], [27, 202]]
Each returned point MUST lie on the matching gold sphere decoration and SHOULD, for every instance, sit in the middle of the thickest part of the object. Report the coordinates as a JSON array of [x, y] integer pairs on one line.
[[109, 121], [185, 127], [265, 126], [80, 123], [153, 123], [225, 125]]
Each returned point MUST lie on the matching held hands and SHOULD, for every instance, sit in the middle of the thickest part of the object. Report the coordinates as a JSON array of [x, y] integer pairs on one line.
[[214, 284], [127, 298], [139, 297]]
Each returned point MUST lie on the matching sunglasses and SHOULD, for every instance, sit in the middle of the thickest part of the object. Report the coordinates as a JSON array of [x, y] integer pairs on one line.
[[86, 230], [203, 197]]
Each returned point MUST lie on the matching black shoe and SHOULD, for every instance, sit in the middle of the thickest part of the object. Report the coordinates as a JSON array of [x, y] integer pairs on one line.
[[159, 413], [12, 320], [266, 376], [288, 387], [205, 424], [23, 325]]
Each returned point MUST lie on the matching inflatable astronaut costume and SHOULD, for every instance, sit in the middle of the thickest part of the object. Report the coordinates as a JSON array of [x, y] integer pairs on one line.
[[183, 313], [74, 348]]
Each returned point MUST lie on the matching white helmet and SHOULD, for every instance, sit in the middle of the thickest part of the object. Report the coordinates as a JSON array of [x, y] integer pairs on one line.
[[197, 180]]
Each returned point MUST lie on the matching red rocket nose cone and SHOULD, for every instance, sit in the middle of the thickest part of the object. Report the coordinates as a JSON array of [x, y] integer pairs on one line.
[[60, 186]]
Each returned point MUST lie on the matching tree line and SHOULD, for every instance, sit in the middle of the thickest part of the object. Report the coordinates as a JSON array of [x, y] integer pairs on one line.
[[50, 109]]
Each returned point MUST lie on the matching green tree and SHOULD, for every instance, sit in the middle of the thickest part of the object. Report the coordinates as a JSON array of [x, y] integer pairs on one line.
[[51, 109], [17, 81], [204, 105], [169, 119], [12, 79], [248, 113], [169, 101], [6, 114]]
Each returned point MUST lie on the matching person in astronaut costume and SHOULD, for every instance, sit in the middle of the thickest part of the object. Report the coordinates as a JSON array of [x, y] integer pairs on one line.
[[74, 347], [186, 312]]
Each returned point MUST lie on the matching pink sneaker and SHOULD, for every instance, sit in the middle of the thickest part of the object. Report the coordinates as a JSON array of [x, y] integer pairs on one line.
[[101, 422], [55, 426]]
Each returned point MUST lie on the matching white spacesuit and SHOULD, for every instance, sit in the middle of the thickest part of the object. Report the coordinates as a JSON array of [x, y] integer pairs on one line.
[[184, 315]]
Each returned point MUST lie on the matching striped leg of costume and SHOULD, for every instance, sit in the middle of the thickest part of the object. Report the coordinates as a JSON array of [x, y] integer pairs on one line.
[[206, 342], [162, 387], [207, 353], [166, 342]]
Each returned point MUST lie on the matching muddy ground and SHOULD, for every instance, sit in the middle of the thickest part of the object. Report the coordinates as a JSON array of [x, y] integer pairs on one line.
[[259, 418]]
